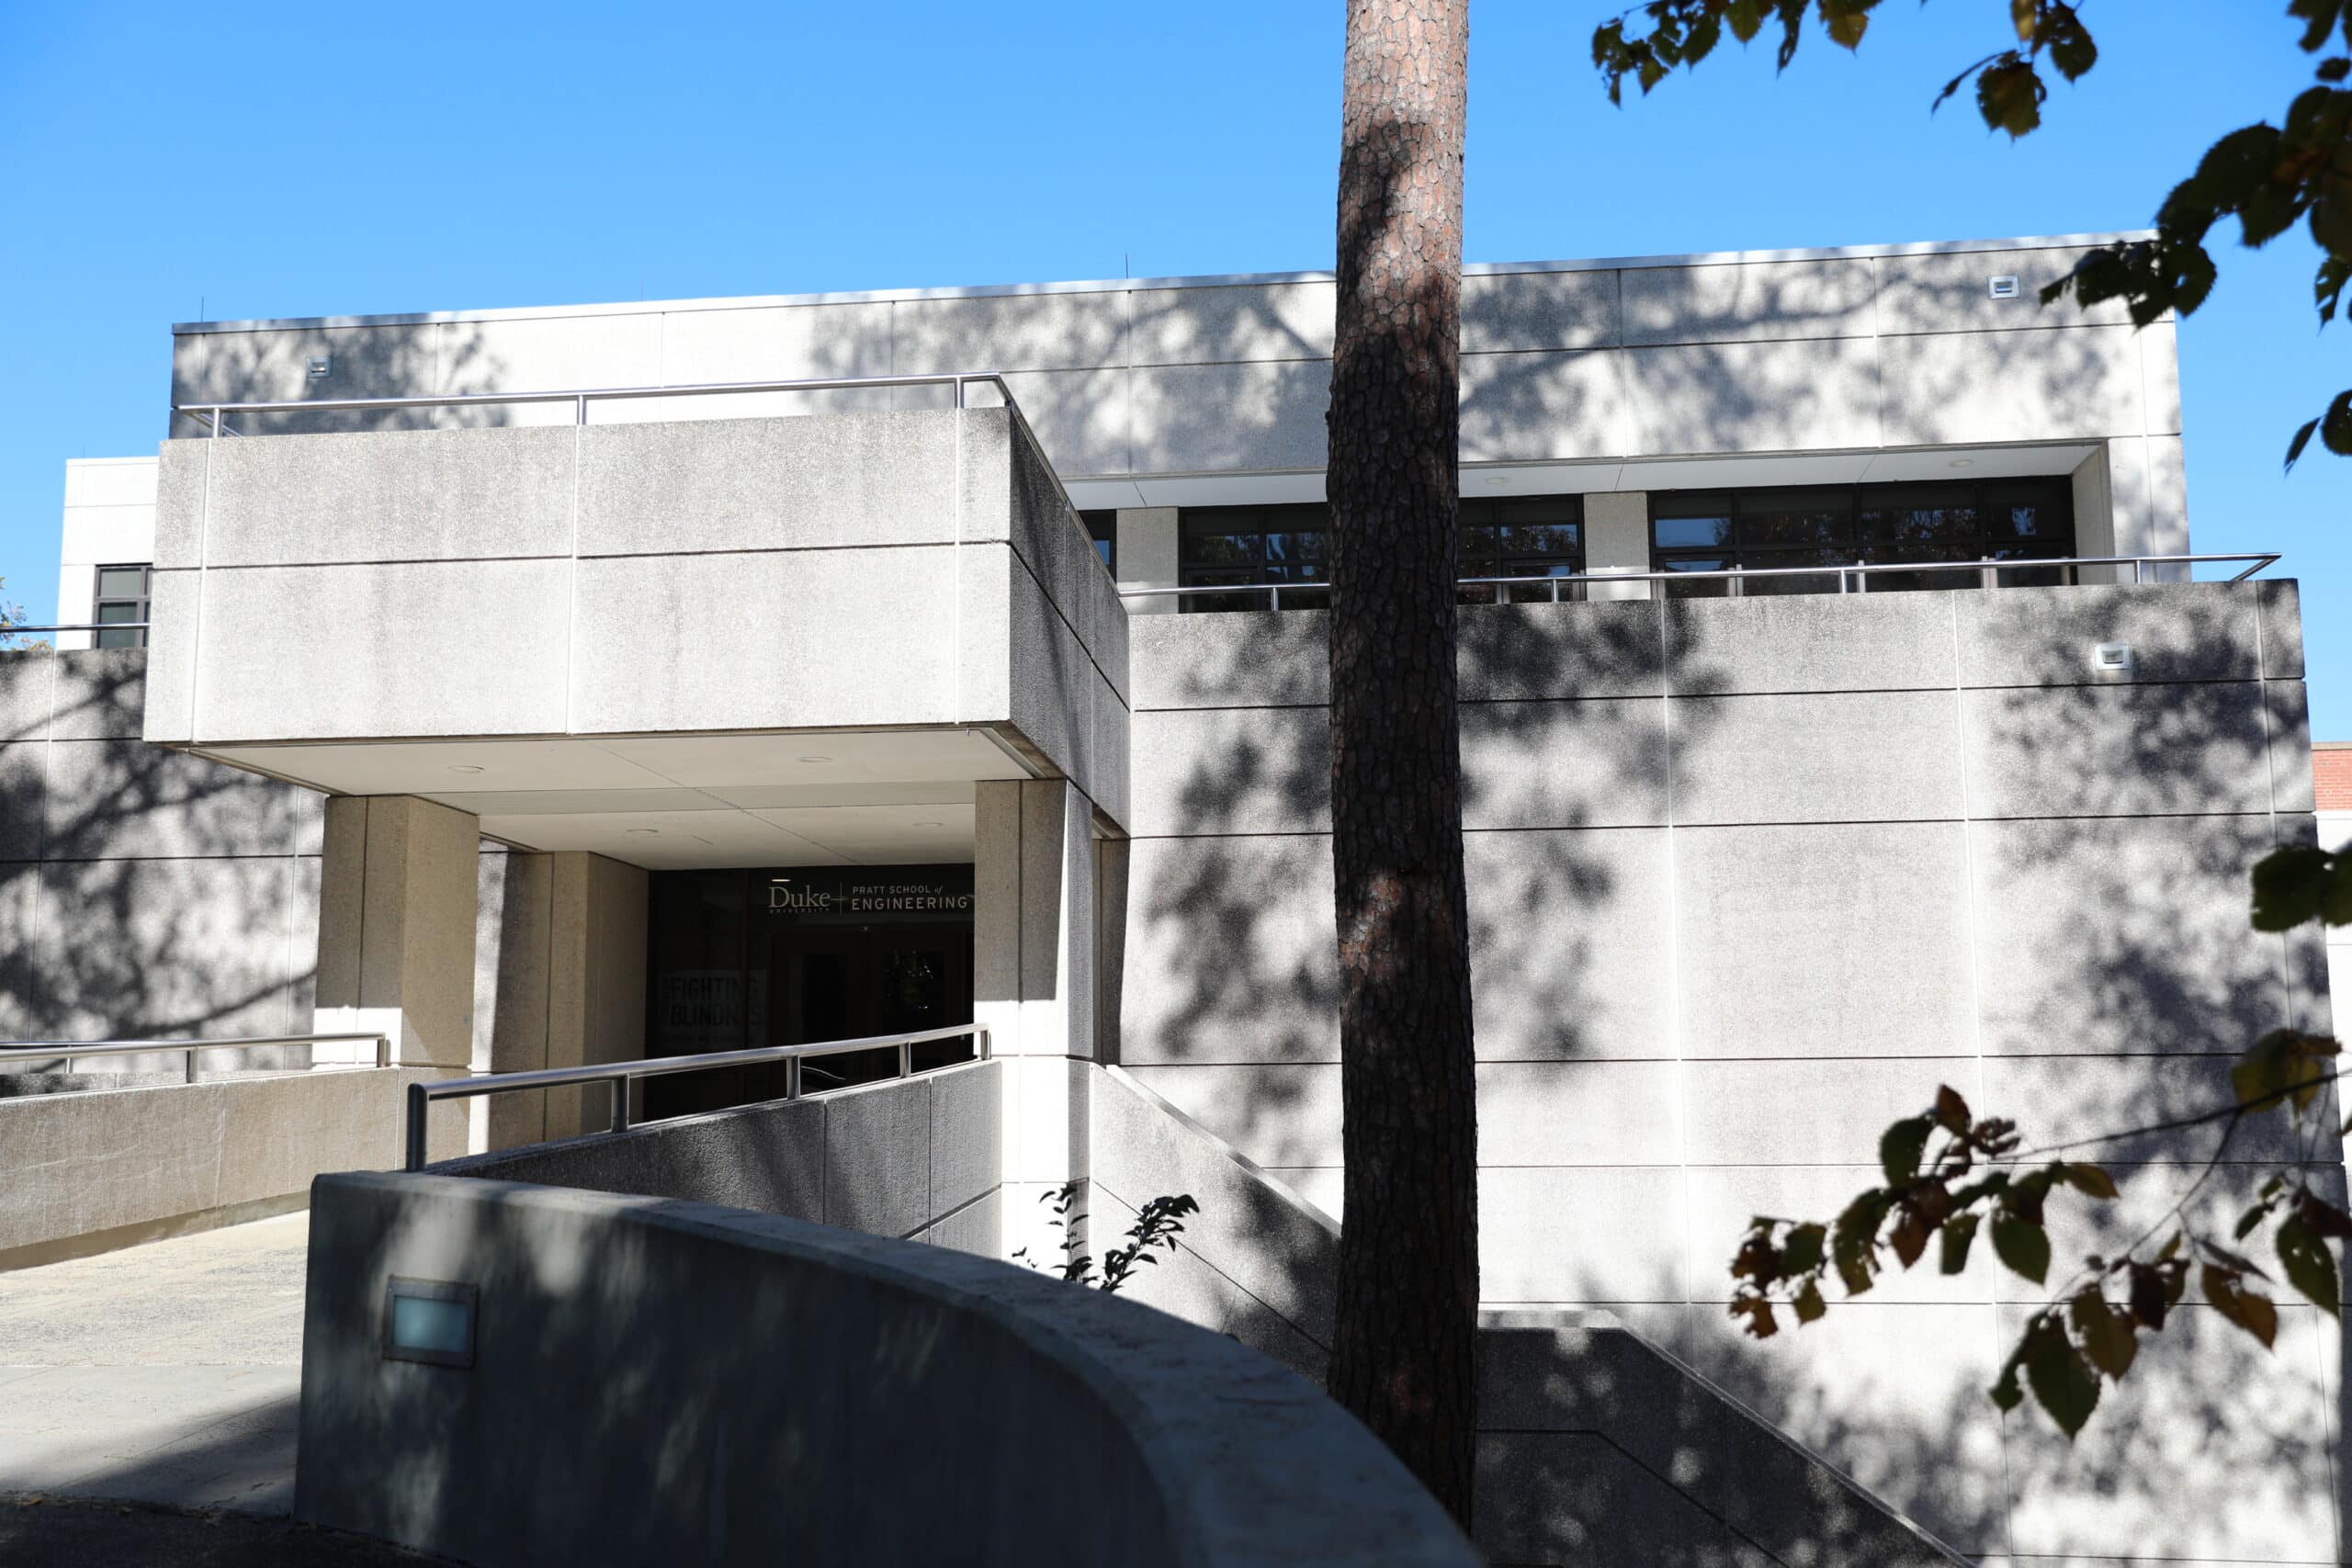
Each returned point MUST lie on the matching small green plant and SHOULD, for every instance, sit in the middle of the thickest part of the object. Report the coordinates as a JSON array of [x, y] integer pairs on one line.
[[1156, 1227]]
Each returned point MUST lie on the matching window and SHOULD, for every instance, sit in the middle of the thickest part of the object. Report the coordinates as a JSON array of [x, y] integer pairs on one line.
[[1253, 545], [1103, 527], [121, 602], [1287, 548], [1795, 530], [1532, 535]]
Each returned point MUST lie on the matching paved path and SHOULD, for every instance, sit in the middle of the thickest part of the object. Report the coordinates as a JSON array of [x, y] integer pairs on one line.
[[166, 1373]]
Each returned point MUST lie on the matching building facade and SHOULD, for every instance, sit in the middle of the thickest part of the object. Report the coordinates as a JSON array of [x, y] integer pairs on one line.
[[1838, 720]]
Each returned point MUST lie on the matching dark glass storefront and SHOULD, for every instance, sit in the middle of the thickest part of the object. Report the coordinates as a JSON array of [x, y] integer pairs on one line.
[[790, 955]]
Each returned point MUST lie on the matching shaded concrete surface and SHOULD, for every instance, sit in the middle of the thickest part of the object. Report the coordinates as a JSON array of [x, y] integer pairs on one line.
[[162, 1374], [53, 1534]]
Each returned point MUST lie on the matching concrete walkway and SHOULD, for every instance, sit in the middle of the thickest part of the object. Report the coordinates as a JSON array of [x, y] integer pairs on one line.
[[166, 1373]]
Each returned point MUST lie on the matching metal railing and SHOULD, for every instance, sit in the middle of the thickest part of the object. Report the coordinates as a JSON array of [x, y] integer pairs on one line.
[[620, 1074], [213, 415], [67, 1051], [9, 630], [1857, 574]]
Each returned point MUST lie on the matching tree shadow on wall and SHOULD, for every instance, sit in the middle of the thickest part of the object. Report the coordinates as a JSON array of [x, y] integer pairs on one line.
[[147, 892], [1232, 955]]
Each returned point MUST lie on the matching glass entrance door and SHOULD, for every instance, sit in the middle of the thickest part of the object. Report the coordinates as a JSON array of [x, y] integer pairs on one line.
[[794, 957]]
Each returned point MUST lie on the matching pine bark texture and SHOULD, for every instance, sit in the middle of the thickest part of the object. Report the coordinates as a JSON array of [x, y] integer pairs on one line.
[[1402, 1356]]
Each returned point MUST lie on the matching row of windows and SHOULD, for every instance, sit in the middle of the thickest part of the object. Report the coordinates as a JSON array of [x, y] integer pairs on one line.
[[1694, 531], [2005, 519], [1288, 546]]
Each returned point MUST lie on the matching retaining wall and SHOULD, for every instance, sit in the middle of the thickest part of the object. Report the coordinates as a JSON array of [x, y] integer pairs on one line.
[[742, 1388]]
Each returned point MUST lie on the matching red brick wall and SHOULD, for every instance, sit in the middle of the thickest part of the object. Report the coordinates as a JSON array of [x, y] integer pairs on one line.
[[2331, 774]]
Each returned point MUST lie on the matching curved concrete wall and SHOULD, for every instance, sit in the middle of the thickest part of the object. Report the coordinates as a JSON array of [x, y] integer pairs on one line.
[[658, 1381]]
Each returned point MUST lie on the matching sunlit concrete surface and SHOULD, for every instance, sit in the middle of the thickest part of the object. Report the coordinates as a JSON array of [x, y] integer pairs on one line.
[[165, 1374]]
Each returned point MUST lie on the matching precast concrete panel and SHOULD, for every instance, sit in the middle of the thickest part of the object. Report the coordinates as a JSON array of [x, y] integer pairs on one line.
[[765, 484], [1508, 311], [1807, 394], [1009, 332], [1748, 300], [436, 648], [1817, 757], [444, 495], [2044, 383]]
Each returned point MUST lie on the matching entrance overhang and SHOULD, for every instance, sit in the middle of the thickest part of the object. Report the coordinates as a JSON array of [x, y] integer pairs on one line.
[[683, 802]]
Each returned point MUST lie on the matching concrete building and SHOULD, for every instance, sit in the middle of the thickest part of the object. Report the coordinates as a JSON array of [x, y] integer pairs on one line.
[[532, 730]]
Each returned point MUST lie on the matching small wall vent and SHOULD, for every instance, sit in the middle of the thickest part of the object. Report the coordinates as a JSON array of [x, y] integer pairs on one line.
[[2005, 286], [2113, 660]]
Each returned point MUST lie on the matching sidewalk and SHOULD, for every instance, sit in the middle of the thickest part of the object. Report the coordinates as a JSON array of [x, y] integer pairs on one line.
[[166, 1373]]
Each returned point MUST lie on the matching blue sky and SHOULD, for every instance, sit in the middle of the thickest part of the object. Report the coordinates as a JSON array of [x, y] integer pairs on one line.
[[159, 163]]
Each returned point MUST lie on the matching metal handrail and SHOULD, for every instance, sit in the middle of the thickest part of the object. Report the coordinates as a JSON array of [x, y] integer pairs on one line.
[[1857, 572], [620, 1074], [580, 398], [67, 1050], [8, 630]]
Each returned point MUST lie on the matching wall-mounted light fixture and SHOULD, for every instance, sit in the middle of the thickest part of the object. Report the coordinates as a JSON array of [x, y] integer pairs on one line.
[[2113, 660], [2006, 286], [320, 366], [430, 1320]]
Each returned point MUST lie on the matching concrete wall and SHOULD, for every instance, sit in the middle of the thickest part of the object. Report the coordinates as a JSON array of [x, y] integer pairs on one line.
[[1139, 388], [142, 891], [87, 1172], [748, 1388], [911, 1158], [1595, 1445], [637, 578], [1748, 879]]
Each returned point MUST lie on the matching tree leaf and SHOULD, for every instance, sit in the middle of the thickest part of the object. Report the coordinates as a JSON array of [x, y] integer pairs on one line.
[[2289, 882], [1952, 1111], [2061, 1381], [2255, 1313], [2151, 1297], [1808, 1302], [2107, 1335], [1901, 1146], [2022, 1245], [1959, 1232], [2009, 96], [1800, 1250], [2090, 1180], [2309, 1266]]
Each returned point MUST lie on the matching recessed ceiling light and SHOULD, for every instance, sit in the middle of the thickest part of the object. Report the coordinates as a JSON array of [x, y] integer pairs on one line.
[[464, 768], [1964, 462], [930, 824], [644, 832], [816, 759]]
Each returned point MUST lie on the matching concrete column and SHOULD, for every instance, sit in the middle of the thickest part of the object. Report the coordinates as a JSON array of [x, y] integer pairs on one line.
[[1617, 538], [2147, 503], [560, 983], [595, 979], [396, 928], [511, 956], [2094, 515], [1034, 951], [1147, 555]]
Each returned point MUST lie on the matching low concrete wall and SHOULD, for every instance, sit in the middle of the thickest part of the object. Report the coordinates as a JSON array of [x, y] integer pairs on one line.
[[1594, 1446], [86, 1172], [914, 1158], [740, 1388]]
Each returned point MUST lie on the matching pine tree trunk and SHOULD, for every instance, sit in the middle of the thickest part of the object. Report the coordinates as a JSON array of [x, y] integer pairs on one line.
[[1402, 1351]]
